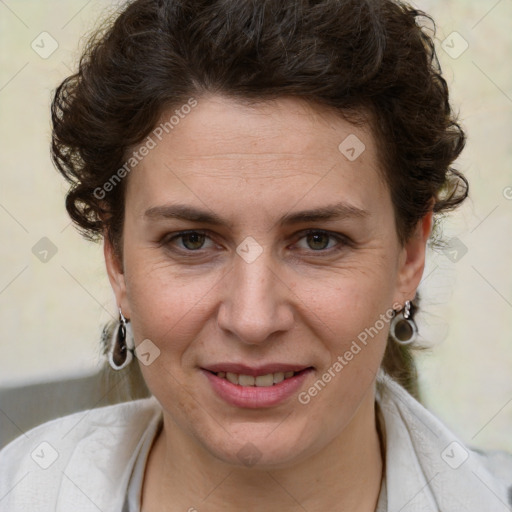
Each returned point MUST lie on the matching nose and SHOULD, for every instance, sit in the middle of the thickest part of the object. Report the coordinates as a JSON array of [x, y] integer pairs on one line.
[[256, 302]]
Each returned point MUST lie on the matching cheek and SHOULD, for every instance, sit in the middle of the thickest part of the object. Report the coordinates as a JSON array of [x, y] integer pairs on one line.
[[352, 333], [170, 310], [347, 302], [167, 306], [351, 312]]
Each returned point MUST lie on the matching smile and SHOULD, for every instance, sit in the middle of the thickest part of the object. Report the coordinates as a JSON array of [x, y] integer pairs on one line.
[[256, 391], [263, 381]]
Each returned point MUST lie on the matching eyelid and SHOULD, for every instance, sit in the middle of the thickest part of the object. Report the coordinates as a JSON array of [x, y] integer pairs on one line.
[[170, 237], [342, 240]]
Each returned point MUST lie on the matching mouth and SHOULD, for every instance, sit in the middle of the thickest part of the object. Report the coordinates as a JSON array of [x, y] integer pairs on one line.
[[249, 387], [261, 380]]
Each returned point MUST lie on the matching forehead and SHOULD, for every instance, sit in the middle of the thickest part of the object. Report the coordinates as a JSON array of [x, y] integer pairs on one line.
[[273, 153]]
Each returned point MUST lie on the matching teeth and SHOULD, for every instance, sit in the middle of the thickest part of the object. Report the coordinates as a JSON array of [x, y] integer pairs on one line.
[[260, 381], [264, 380], [246, 380], [232, 377], [278, 377]]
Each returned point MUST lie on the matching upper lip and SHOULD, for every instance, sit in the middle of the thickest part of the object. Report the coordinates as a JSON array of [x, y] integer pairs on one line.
[[243, 369]]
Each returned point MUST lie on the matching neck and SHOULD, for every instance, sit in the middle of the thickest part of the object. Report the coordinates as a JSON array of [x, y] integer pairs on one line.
[[344, 475]]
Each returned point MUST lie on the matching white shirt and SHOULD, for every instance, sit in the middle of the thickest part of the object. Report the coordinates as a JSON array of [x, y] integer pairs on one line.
[[95, 460]]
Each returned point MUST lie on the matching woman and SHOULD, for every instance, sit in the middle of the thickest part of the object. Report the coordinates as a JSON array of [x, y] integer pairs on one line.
[[265, 177]]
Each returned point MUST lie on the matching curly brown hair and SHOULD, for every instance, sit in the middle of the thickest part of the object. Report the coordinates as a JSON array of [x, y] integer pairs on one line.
[[353, 56]]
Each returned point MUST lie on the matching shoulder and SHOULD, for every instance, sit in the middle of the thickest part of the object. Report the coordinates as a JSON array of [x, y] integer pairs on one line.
[[454, 473], [498, 463], [77, 455]]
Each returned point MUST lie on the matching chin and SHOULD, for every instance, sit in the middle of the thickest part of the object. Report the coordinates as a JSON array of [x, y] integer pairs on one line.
[[263, 445]]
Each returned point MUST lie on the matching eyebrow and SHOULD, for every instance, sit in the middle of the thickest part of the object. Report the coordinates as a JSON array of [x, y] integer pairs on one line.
[[184, 212], [330, 212]]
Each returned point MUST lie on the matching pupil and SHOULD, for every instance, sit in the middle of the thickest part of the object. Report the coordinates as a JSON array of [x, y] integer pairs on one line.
[[316, 240], [196, 239]]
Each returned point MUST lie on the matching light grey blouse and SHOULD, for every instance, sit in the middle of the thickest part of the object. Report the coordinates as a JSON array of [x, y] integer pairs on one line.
[[95, 460]]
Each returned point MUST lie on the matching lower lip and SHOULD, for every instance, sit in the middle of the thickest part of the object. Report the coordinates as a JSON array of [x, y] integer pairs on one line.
[[254, 397]]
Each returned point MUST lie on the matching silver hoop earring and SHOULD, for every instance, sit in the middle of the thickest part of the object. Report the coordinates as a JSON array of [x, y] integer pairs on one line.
[[403, 328], [119, 354]]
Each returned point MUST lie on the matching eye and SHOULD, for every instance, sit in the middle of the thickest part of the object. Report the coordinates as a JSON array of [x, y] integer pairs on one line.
[[190, 240], [315, 240], [318, 240]]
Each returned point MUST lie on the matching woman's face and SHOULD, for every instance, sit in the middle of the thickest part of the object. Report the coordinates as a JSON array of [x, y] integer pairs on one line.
[[291, 263]]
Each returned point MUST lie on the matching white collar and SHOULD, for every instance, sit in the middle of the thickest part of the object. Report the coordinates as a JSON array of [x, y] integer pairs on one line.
[[427, 467], [425, 470]]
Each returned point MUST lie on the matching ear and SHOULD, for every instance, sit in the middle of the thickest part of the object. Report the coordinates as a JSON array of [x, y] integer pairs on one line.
[[412, 260], [116, 276]]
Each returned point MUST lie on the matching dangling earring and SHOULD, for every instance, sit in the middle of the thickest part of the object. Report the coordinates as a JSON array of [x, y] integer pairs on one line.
[[403, 328], [119, 354]]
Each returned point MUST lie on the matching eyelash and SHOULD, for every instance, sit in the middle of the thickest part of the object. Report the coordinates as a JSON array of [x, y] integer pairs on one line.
[[342, 241]]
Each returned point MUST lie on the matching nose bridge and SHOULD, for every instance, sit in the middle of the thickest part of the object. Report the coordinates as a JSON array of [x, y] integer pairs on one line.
[[254, 305]]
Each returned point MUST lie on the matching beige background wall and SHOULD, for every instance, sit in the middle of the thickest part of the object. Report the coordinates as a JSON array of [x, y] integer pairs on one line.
[[52, 311]]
